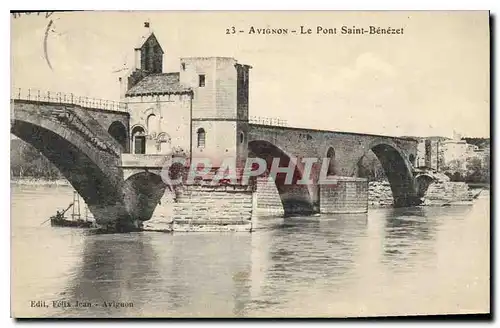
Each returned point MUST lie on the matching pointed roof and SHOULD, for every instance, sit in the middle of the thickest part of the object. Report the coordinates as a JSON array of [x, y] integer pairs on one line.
[[145, 38]]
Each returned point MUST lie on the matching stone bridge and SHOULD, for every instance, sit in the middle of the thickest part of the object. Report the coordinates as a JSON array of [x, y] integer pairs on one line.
[[84, 142], [88, 141], [344, 151]]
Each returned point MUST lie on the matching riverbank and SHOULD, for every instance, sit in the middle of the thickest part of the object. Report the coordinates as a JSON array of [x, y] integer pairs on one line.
[[39, 182]]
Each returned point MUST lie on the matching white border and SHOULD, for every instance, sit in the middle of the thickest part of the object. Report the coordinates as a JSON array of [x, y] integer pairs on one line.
[[492, 5]]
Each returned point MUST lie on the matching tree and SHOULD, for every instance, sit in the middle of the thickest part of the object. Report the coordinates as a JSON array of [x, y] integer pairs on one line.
[[454, 169], [480, 142], [26, 161], [485, 171], [474, 170]]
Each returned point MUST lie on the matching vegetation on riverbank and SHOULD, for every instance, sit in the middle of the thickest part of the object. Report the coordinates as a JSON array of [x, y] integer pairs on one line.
[[26, 162], [28, 181], [476, 171]]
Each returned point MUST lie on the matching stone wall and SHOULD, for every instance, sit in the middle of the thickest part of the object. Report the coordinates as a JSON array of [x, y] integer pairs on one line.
[[348, 147], [107, 117], [213, 208], [268, 201], [439, 193], [380, 194], [349, 195], [449, 193], [170, 127], [204, 208], [162, 217], [145, 160]]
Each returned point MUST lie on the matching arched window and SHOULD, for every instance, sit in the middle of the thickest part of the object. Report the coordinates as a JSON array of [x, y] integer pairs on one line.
[[119, 132], [138, 130], [163, 143], [242, 137], [152, 124], [331, 163], [201, 138]]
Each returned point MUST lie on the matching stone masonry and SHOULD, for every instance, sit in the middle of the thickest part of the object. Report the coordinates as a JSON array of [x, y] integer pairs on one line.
[[213, 208], [268, 202], [349, 195]]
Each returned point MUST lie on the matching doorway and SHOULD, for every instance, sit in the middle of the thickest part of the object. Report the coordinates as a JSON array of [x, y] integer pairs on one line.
[[139, 138]]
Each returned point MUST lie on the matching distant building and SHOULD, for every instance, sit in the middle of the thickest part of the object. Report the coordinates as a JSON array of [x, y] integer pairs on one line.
[[444, 154], [483, 155], [455, 153], [420, 160], [429, 153]]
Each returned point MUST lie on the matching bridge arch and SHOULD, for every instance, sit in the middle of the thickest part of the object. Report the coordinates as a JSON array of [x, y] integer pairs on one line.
[[332, 164], [143, 192], [397, 168], [295, 198], [93, 172], [118, 131], [422, 183]]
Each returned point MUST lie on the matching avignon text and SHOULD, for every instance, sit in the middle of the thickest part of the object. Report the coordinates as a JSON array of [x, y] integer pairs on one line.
[[319, 30]]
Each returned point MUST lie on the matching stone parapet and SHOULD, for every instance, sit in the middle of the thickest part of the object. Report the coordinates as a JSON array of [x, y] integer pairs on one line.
[[144, 160]]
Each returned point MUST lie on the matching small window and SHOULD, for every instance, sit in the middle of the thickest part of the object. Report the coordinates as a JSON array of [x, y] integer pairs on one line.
[[201, 80], [242, 137], [201, 138], [183, 66]]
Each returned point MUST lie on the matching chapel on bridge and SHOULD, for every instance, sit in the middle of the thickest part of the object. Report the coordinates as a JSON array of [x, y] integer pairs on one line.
[[202, 109]]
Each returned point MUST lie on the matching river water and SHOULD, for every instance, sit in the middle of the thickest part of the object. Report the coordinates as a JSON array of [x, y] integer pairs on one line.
[[389, 262]]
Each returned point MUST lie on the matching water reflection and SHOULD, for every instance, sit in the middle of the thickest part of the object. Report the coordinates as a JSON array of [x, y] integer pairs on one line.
[[410, 233], [306, 252], [119, 268], [389, 260], [214, 269]]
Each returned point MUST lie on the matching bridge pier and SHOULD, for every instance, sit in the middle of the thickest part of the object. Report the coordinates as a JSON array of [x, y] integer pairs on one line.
[[214, 208], [297, 201], [203, 205], [407, 201], [113, 217], [348, 195]]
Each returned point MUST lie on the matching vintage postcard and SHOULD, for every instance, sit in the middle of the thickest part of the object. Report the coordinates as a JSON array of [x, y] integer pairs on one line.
[[250, 164]]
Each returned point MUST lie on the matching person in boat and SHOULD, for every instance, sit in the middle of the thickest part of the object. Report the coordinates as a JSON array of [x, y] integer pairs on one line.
[[59, 215]]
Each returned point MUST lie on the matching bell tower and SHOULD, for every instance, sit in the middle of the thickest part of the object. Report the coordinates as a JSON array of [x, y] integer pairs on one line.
[[148, 59], [149, 55]]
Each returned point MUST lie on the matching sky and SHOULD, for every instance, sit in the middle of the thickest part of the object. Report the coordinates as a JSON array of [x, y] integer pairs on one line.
[[430, 81]]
